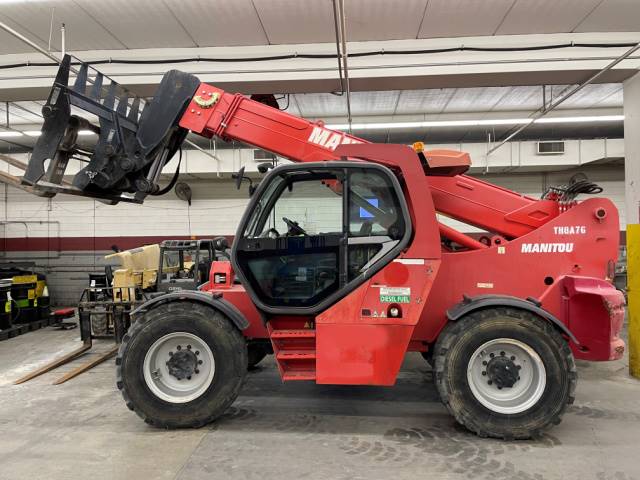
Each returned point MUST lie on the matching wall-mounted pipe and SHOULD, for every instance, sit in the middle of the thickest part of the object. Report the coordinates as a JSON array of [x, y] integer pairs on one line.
[[345, 65], [26, 224], [63, 43], [336, 27]]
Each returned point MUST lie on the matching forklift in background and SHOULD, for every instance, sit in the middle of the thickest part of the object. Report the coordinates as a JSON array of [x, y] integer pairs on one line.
[[184, 264], [105, 306], [141, 273]]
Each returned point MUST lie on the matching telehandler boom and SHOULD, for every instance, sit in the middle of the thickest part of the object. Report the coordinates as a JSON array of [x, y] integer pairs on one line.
[[343, 266]]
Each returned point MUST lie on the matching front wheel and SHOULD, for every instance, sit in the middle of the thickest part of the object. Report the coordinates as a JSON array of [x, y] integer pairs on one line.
[[504, 373], [181, 365]]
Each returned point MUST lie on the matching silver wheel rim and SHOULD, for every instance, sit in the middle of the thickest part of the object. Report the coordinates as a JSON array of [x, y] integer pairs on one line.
[[527, 389], [168, 387]]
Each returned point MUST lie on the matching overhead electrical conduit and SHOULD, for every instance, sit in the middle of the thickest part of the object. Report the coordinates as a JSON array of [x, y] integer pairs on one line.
[[290, 56]]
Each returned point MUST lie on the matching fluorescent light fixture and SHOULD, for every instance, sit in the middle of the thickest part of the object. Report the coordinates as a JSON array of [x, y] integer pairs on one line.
[[499, 121], [37, 133], [475, 123], [4, 2], [10, 134], [600, 118]]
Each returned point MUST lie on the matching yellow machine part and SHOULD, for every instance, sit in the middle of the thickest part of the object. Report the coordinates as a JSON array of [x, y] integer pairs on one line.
[[138, 268], [124, 285], [138, 259], [149, 278]]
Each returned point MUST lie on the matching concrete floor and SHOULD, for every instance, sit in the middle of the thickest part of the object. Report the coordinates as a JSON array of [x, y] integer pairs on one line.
[[82, 429]]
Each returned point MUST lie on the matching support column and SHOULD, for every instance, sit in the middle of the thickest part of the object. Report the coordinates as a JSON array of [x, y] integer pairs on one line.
[[632, 208], [633, 300]]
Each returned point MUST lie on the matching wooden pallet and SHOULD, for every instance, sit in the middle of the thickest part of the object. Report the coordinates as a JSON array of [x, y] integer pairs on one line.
[[20, 328]]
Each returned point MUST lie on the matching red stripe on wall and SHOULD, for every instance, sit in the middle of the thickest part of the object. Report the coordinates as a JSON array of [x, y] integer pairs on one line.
[[90, 244]]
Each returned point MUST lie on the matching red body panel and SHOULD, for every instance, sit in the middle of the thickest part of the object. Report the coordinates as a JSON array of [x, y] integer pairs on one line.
[[361, 335], [561, 258], [511, 269], [360, 354], [579, 296]]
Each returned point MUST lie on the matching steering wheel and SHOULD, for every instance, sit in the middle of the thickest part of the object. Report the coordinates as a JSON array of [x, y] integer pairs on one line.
[[294, 228]]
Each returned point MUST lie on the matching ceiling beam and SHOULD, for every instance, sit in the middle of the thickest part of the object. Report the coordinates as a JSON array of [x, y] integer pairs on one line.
[[376, 72]]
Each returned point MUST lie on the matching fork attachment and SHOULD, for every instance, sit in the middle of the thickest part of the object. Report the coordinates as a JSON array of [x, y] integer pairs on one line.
[[135, 139]]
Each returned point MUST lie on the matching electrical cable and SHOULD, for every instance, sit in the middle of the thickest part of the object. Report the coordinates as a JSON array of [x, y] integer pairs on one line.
[[284, 97], [173, 181], [291, 56], [566, 194]]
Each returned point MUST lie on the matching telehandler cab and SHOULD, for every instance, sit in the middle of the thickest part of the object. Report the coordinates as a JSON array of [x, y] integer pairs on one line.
[[343, 265]]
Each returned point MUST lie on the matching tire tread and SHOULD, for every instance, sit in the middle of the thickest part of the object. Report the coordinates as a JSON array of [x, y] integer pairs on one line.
[[446, 340], [141, 321]]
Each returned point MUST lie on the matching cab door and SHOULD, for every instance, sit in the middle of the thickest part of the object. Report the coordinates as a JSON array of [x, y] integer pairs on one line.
[[314, 232]]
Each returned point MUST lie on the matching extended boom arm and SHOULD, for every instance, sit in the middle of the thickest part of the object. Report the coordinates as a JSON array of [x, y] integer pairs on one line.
[[136, 141], [214, 112]]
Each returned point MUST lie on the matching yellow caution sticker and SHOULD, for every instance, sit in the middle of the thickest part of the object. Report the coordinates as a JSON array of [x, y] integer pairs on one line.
[[203, 102]]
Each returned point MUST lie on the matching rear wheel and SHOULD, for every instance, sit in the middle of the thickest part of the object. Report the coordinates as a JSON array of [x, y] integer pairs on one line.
[[181, 365], [504, 373]]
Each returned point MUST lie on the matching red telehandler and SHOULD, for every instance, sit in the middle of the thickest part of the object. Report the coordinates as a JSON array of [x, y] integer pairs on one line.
[[340, 266]]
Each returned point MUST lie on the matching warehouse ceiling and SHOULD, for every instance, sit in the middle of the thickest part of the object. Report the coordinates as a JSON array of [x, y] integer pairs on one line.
[[422, 105], [126, 24], [453, 100], [406, 102], [122, 26]]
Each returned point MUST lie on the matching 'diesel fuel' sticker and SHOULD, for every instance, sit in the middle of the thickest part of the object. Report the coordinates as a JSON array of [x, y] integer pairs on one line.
[[395, 295]]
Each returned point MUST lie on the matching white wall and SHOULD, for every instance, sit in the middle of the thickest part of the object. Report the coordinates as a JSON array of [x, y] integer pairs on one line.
[[216, 208]]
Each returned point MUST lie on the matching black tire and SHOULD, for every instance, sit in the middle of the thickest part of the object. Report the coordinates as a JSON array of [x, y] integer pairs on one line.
[[224, 339], [255, 354], [455, 348]]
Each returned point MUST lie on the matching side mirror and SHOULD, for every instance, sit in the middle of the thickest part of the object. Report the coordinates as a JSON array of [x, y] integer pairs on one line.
[[238, 178], [220, 244]]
